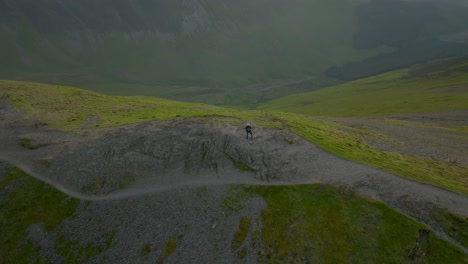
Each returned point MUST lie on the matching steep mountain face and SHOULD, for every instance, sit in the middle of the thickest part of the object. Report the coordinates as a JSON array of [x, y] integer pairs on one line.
[[417, 30], [220, 45], [68, 32]]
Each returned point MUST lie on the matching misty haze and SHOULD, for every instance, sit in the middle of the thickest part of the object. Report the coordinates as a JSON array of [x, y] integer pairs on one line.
[[216, 131]]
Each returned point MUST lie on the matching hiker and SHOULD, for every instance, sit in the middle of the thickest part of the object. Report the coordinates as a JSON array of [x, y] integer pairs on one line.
[[248, 129]]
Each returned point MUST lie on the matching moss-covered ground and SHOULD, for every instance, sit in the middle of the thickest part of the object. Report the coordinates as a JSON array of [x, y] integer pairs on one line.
[[323, 224], [28, 201]]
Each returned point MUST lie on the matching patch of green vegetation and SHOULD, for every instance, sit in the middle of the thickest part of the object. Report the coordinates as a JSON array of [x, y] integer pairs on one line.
[[110, 239], [363, 131], [30, 201], [74, 251], [456, 226], [98, 184], [242, 253], [256, 239], [318, 224], [145, 249], [289, 140], [87, 204], [95, 186], [170, 246], [126, 181], [46, 162], [388, 93], [28, 143], [28, 253], [393, 121], [241, 234], [239, 164], [201, 190], [234, 199], [187, 166]]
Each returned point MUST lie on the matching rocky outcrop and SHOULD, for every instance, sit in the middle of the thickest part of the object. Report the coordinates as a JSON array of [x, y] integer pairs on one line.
[[171, 153]]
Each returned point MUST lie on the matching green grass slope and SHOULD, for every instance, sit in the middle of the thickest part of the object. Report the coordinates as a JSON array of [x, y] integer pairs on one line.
[[30, 201], [70, 108], [332, 225], [331, 137], [435, 87]]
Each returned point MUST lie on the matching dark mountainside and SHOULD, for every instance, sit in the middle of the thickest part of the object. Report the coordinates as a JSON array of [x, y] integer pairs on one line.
[[418, 32], [223, 52]]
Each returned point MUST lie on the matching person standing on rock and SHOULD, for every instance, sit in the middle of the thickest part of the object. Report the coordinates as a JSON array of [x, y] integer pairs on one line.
[[248, 129]]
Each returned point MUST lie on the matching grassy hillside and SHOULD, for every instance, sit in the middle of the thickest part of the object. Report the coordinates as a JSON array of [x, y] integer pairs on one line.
[[68, 107], [435, 87], [71, 108], [330, 225]]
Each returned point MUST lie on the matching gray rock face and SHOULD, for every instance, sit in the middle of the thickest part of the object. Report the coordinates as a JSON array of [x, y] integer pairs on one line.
[[171, 154], [135, 160]]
